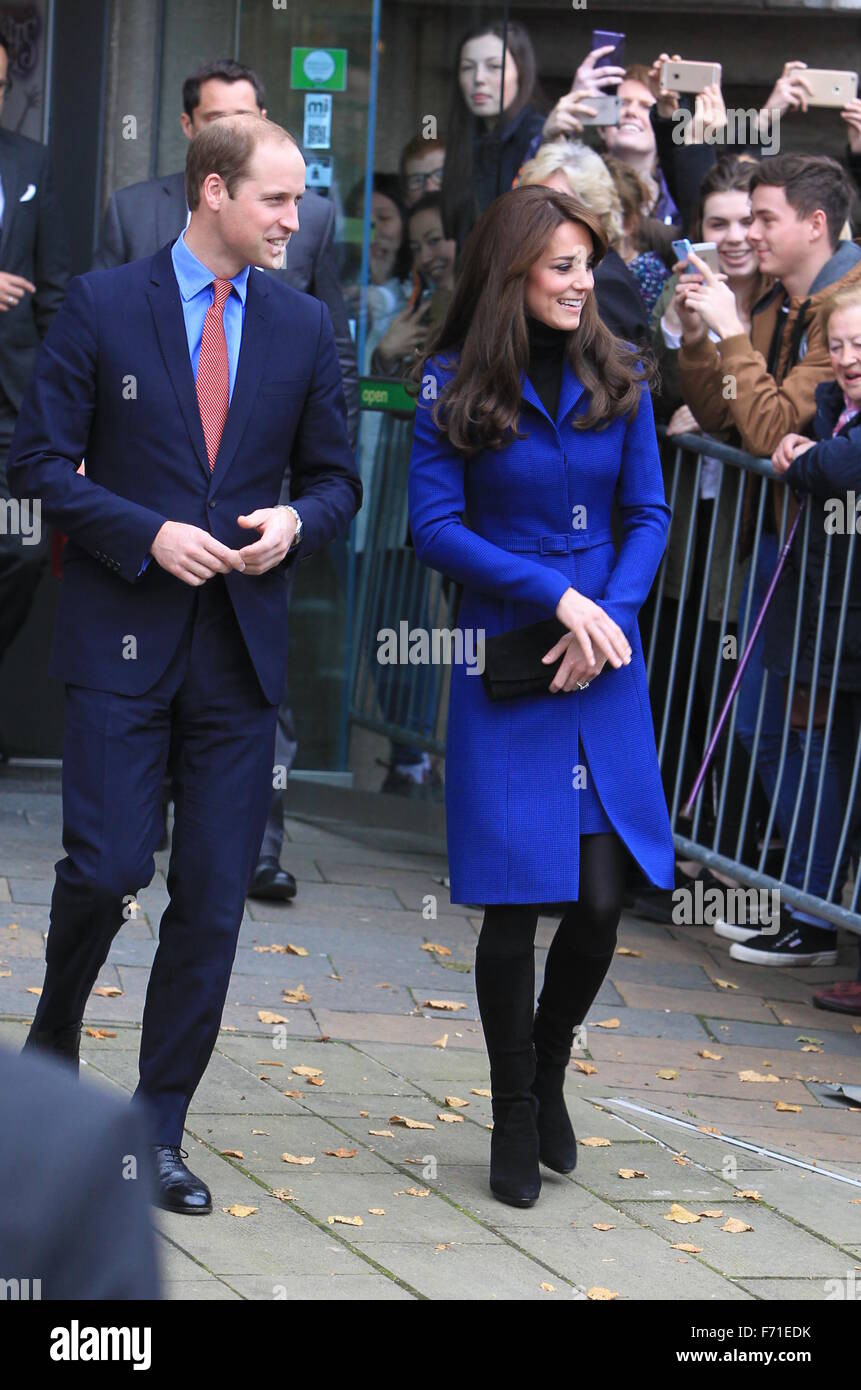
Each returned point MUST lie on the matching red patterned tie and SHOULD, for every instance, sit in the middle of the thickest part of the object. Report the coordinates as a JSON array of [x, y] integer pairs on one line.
[[213, 373]]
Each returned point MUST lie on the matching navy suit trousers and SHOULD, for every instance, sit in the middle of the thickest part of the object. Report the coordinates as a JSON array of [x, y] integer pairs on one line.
[[210, 703]]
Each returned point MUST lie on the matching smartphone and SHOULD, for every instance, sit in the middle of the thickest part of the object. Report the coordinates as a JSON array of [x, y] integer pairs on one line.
[[689, 77], [606, 106], [600, 39], [830, 87], [706, 250]]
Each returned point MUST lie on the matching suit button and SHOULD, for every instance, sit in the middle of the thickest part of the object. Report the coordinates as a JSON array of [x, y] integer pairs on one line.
[[211, 505]]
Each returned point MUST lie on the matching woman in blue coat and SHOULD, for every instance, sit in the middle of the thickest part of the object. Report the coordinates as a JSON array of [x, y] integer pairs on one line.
[[531, 421]]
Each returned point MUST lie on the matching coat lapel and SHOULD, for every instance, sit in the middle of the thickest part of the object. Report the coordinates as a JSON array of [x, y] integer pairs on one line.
[[13, 187], [570, 391], [253, 351], [164, 299]]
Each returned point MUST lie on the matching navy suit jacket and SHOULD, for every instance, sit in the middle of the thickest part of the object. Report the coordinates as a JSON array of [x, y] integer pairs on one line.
[[113, 383]]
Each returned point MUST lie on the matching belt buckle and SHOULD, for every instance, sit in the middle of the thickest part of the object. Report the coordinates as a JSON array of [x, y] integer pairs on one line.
[[551, 548]]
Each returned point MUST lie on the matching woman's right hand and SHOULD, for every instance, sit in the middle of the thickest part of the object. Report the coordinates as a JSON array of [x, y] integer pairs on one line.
[[574, 671], [592, 627]]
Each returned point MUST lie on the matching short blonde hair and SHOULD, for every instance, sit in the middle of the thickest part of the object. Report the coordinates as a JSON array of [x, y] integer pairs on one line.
[[588, 179], [847, 297]]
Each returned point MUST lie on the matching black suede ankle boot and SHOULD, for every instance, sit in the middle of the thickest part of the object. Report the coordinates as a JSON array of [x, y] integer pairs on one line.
[[514, 1174], [557, 1142]]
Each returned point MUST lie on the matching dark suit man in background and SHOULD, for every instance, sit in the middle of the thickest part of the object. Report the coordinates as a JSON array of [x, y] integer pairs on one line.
[[193, 385], [33, 278], [141, 218]]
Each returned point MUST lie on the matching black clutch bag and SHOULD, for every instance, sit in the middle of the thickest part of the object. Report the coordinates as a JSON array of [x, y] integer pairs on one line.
[[512, 661]]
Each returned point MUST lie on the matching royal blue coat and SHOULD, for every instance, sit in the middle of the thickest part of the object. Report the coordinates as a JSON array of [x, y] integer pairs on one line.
[[512, 807]]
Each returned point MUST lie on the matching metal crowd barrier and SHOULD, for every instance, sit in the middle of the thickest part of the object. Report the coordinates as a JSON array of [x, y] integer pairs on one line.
[[780, 808]]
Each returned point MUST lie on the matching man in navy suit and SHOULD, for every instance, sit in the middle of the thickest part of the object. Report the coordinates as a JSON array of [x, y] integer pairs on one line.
[[192, 384]]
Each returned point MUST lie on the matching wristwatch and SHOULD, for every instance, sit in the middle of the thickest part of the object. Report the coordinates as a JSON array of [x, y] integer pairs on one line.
[[298, 536]]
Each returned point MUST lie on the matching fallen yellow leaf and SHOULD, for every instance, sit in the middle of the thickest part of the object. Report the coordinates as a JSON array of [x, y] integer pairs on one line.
[[98, 1033], [599, 1295], [724, 984], [107, 991], [712, 1213], [626, 951], [345, 1220], [595, 1143], [681, 1215], [382, 1133], [232, 1153], [451, 1005], [306, 1071], [667, 1074], [632, 1173], [267, 1016], [480, 1091], [284, 1194], [758, 1076], [450, 1119], [710, 1056], [782, 1105], [412, 1192], [749, 1193], [607, 1023], [602, 1226], [377, 1211], [408, 1123], [34, 989], [687, 1247], [455, 1102], [297, 995], [549, 1288], [735, 1227], [435, 948], [441, 1042], [296, 950], [297, 1158], [341, 1153], [708, 1129], [586, 1067], [239, 1210]]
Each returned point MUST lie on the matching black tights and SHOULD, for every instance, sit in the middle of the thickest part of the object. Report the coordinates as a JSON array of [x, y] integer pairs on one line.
[[578, 959]]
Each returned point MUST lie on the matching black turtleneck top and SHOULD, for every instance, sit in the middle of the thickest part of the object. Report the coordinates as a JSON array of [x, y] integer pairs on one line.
[[546, 355]]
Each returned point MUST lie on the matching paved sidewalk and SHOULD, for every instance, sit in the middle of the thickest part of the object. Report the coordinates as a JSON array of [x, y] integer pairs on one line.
[[422, 1221]]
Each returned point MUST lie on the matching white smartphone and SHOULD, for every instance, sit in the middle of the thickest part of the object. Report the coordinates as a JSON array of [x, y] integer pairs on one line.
[[830, 87], [689, 77], [607, 108]]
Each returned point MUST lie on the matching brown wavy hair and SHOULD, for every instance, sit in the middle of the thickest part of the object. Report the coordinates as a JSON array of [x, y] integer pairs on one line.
[[486, 327]]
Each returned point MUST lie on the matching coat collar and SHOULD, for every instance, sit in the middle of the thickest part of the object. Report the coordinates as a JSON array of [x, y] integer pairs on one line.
[[570, 391], [164, 297]]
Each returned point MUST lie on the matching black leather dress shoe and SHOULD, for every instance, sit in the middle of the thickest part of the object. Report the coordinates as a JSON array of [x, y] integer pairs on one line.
[[177, 1189], [272, 883]]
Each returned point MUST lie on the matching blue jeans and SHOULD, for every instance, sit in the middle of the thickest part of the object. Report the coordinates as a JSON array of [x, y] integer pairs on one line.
[[768, 756]]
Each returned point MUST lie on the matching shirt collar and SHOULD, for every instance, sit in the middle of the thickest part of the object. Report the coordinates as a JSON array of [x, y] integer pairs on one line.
[[192, 275]]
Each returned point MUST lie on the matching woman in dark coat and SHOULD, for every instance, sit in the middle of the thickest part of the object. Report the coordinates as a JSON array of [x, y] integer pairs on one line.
[[484, 149], [532, 418]]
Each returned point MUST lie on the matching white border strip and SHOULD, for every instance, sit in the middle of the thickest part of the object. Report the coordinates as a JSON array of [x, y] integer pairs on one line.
[[724, 1138]]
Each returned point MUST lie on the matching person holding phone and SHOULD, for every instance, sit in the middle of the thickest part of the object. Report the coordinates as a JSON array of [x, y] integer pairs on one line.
[[532, 420]]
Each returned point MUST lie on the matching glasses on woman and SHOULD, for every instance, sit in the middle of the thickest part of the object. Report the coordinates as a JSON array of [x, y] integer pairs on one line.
[[417, 183]]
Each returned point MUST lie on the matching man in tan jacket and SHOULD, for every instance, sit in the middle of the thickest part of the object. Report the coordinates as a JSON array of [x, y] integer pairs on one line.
[[763, 384]]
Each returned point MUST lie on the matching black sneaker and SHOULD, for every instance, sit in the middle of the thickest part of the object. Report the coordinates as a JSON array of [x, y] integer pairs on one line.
[[800, 944], [756, 923]]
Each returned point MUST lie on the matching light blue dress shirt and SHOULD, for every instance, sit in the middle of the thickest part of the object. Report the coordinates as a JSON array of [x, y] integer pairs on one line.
[[196, 294], [195, 282]]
